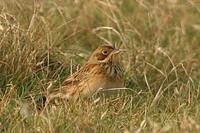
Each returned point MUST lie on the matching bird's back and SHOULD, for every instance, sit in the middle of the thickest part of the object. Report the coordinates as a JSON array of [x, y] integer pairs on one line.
[[89, 79]]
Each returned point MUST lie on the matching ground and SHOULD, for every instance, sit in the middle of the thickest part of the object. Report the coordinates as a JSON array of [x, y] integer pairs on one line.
[[43, 42]]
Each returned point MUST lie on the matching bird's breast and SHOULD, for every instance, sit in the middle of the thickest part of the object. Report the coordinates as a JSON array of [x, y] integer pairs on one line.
[[104, 77]]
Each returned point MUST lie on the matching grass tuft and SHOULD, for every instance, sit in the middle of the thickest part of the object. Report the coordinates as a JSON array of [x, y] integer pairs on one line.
[[43, 42]]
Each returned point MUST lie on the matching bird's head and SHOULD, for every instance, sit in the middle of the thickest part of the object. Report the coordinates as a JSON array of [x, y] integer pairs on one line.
[[104, 54]]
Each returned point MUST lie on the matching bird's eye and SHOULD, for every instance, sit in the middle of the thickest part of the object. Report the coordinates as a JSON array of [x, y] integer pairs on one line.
[[105, 52]]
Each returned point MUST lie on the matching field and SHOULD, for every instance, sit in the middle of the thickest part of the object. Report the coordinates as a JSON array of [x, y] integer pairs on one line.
[[43, 41]]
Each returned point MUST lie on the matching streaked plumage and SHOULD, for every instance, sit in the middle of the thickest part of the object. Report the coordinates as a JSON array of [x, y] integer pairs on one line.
[[102, 71]]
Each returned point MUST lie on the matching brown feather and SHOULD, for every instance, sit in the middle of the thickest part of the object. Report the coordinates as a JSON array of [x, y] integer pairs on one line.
[[94, 75]]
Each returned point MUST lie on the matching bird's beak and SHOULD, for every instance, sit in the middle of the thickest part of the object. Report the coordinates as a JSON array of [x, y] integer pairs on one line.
[[111, 55], [115, 51]]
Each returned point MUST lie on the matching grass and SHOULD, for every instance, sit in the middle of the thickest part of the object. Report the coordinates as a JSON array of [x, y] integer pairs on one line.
[[42, 42]]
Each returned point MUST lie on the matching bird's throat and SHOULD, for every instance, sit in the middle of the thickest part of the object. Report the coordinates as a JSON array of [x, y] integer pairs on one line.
[[113, 70]]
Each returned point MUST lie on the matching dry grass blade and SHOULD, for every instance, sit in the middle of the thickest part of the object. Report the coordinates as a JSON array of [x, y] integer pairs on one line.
[[42, 42]]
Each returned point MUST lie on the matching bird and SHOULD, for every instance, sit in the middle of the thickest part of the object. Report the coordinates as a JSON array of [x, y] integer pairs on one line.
[[102, 71]]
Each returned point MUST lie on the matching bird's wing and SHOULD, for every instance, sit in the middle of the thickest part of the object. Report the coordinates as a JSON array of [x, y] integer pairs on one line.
[[78, 76], [71, 85]]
